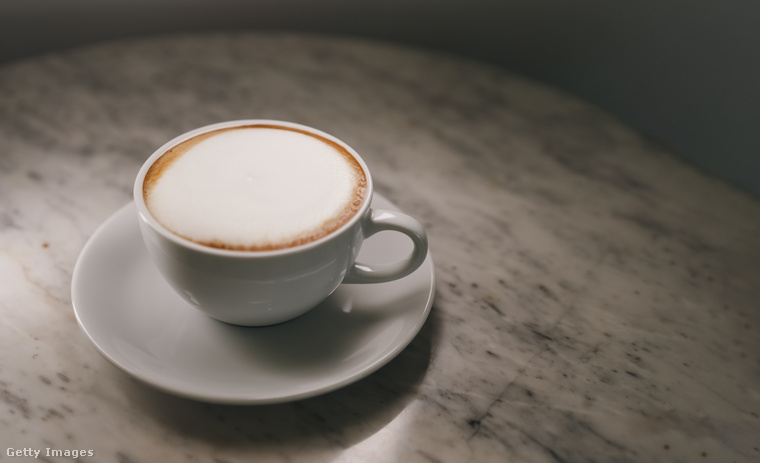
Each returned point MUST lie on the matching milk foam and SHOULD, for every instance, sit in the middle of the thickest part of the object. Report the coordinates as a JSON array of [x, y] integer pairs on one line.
[[255, 188]]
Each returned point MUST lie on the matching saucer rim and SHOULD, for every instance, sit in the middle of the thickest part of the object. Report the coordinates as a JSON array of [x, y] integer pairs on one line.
[[236, 398]]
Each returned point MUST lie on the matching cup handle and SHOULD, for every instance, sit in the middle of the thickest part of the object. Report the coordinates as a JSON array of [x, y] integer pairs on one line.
[[380, 220]]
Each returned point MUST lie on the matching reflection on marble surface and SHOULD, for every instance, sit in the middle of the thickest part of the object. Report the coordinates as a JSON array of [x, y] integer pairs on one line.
[[597, 298]]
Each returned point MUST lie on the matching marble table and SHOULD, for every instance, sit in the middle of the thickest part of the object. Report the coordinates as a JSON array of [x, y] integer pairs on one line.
[[596, 300]]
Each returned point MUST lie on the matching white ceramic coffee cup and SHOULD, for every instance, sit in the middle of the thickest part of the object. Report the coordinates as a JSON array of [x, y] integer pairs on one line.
[[256, 288]]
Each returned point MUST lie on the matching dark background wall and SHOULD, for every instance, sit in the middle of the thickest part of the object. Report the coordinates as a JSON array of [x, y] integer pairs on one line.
[[686, 72]]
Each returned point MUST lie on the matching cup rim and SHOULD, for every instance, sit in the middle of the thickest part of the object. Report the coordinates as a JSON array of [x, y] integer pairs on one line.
[[148, 218]]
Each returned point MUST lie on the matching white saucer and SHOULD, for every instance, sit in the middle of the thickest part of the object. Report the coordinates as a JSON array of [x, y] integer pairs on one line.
[[138, 323]]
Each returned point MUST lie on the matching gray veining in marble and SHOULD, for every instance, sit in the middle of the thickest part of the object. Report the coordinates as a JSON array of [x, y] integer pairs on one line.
[[597, 298]]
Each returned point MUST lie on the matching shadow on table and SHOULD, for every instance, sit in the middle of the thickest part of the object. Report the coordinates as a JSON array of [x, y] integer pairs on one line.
[[320, 427]]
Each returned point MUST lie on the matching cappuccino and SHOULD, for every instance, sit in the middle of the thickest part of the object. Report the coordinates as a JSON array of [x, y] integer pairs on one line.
[[255, 188]]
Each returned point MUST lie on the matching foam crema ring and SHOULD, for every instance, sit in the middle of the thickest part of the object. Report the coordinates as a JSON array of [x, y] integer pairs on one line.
[[254, 188]]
